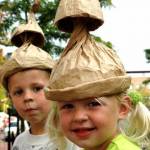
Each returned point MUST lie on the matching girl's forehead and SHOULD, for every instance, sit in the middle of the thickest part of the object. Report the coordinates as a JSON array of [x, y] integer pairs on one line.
[[77, 100], [87, 100]]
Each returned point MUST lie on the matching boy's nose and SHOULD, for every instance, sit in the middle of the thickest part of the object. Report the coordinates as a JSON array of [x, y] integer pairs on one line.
[[28, 96]]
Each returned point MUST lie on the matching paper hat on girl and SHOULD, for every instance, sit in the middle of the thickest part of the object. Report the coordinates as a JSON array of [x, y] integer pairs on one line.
[[88, 10], [26, 31], [86, 68]]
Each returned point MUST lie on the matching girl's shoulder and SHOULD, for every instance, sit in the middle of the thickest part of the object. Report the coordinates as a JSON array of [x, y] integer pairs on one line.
[[122, 143]]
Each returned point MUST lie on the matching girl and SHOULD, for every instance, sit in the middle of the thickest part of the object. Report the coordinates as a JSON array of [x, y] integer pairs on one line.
[[89, 83], [93, 123]]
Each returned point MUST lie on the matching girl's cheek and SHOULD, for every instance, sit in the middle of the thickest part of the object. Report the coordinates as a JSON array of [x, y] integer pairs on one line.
[[64, 118]]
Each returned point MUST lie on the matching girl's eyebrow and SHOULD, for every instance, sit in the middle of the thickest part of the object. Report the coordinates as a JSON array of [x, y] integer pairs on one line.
[[63, 103], [100, 100]]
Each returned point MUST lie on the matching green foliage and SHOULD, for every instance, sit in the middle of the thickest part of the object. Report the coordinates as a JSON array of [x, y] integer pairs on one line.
[[146, 82], [2, 93], [105, 3], [147, 55], [108, 44], [135, 96], [4, 102]]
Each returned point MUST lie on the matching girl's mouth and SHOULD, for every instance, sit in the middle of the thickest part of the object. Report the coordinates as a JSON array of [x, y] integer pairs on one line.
[[83, 133]]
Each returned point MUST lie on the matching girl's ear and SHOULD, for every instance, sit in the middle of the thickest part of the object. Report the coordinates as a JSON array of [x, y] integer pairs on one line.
[[125, 107]]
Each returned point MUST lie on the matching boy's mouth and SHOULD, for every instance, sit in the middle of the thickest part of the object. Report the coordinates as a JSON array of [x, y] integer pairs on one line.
[[30, 109], [30, 106]]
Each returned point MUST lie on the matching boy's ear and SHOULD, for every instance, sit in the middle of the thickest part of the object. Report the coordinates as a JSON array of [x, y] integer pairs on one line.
[[125, 107], [9, 97]]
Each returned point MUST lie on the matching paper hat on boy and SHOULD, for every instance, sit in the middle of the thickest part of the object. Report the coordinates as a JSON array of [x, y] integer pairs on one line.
[[88, 10], [29, 36], [30, 31], [86, 68], [27, 56]]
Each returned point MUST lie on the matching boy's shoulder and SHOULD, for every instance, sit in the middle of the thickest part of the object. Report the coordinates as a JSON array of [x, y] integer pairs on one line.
[[122, 143], [21, 137], [26, 141], [72, 146]]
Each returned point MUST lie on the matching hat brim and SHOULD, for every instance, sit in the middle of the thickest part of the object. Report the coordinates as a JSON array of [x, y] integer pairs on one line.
[[97, 88]]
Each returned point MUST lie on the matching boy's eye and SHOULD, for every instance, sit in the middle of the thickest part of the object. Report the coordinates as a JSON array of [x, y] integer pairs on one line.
[[37, 88], [18, 92]]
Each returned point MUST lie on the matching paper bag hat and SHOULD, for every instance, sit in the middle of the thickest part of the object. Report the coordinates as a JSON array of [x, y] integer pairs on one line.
[[25, 57], [86, 69], [30, 31], [28, 55], [88, 10]]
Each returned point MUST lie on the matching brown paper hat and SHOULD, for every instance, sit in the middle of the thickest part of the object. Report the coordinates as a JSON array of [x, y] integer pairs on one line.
[[30, 31], [88, 10], [86, 69], [27, 56]]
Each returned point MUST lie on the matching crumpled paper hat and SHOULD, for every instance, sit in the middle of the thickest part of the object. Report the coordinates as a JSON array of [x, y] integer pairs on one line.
[[27, 56], [68, 10], [86, 69], [30, 31]]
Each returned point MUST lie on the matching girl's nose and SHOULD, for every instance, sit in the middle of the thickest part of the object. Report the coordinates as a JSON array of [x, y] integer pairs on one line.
[[80, 115]]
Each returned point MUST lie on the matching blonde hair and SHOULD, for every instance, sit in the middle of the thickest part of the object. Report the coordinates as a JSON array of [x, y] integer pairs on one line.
[[137, 127], [53, 127]]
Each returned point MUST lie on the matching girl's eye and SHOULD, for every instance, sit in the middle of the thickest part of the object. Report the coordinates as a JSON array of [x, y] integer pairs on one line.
[[67, 106], [94, 104]]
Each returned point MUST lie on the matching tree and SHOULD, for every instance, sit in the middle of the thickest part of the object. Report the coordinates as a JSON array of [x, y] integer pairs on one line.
[[147, 55], [14, 12], [141, 90]]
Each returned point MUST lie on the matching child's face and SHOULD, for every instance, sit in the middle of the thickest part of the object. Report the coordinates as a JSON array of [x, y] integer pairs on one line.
[[26, 90], [89, 123]]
